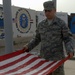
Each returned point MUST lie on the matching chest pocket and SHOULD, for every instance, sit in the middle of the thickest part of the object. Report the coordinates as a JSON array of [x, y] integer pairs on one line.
[[42, 32], [56, 32]]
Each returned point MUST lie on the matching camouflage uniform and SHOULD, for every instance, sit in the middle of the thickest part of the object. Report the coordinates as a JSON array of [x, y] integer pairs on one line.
[[51, 38]]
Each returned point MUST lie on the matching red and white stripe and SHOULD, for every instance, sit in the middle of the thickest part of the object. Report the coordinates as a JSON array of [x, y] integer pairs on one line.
[[19, 63]]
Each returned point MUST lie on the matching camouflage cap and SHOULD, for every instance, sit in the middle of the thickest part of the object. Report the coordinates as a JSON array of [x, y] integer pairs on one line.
[[48, 5]]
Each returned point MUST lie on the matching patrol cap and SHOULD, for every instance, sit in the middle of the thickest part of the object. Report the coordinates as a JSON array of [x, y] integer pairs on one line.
[[48, 5]]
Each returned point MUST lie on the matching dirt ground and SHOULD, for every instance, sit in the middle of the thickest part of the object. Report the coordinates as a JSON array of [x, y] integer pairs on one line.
[[17, 42]]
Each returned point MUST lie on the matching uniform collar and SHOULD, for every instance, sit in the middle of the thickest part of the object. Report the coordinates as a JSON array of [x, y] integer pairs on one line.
[[53, 21]]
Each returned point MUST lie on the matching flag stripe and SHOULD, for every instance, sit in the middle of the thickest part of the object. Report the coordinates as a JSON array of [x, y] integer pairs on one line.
[[14, 62], [58, 64], [25, 70], [48, 69], [17, 64], [12, 59], [38, 69], [7, 56], [23, 63], [44, 68], [33, 67]]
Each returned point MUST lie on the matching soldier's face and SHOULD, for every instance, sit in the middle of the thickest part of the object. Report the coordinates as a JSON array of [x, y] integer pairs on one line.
[[50, 13]]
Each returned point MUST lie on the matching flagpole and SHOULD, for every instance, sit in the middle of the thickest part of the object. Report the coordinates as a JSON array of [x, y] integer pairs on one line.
[[55, 1], [8, 26]]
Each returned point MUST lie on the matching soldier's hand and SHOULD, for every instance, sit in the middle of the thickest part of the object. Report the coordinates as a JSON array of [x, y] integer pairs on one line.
[[25, 48], [71, 55]]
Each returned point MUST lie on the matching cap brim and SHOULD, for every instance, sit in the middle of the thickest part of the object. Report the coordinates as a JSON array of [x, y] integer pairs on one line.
[[47, 8]]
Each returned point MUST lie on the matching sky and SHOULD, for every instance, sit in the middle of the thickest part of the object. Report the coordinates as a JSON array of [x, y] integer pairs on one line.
[[62, 5]]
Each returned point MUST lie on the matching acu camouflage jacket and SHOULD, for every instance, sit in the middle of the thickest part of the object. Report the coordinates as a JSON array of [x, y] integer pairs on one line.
[[52, 37]]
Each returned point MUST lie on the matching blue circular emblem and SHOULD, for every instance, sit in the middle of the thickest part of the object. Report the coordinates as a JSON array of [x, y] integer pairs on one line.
[[23, 21]]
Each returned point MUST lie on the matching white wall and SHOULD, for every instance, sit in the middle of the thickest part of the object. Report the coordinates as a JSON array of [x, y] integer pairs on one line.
[[31, 18], [63, 16]]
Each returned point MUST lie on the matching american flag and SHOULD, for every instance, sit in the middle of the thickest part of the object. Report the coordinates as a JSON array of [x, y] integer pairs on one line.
[[24, 63]]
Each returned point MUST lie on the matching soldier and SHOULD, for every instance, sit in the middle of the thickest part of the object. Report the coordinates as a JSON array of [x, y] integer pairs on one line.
[[52, 32]]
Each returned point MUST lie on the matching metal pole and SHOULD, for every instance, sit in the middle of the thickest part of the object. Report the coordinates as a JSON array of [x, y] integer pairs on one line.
[[8, 26], [55, 3]]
